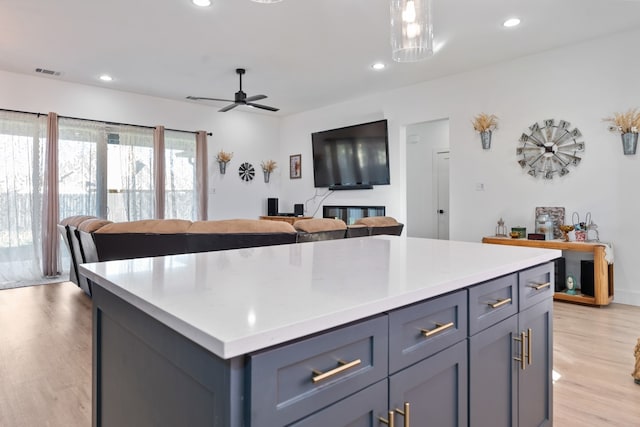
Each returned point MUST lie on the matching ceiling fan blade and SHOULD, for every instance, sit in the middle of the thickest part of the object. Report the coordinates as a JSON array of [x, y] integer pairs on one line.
[[198, 98], [264, 107], [255, 98], [228, 107]]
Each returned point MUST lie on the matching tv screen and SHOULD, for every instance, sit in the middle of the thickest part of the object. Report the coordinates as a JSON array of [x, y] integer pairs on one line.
[[351, 157]]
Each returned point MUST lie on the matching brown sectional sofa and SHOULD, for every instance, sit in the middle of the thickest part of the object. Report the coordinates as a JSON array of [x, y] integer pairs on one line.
[[91, 239]]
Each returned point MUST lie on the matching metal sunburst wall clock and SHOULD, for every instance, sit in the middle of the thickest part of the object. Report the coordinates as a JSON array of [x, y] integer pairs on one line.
[[550, 149], [246, 172]]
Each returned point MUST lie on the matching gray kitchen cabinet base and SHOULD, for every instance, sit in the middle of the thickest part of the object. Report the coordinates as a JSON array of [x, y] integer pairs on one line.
[[146, 374]]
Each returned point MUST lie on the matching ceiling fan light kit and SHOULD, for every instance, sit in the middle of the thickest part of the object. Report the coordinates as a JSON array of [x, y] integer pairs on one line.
[[240, 98], [411, 30]]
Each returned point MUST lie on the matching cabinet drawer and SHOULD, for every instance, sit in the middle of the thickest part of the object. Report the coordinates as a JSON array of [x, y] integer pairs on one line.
[[287, 384], [492, 301], [423, 329], [536, 284]]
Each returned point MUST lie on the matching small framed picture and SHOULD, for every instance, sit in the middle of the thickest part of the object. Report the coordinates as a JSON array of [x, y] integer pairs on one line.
[[295, 166]]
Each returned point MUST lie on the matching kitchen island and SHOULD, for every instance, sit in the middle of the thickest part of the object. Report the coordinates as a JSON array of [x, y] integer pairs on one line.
[[304, 334]]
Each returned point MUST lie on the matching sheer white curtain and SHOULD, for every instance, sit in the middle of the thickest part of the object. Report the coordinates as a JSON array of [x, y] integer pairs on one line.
[[130, 173], [22, 143], [181, 199], [106, 170], [82, 168]]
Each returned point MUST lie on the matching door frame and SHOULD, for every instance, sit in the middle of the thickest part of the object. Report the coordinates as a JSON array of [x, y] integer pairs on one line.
[[436, 184]]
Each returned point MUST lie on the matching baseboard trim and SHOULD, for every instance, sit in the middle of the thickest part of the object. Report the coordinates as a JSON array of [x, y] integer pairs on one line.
[[628, 297]]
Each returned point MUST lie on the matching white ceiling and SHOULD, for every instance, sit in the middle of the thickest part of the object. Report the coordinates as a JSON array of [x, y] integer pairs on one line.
[[303, 54]]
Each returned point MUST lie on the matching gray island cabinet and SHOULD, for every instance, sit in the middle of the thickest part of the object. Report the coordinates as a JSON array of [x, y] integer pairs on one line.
[[367, 331]]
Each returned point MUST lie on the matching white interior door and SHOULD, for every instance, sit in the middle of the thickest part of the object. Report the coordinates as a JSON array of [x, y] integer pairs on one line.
[[442, 182]]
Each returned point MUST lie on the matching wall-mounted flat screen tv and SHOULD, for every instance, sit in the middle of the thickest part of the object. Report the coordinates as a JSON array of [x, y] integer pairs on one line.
[[352, 157]]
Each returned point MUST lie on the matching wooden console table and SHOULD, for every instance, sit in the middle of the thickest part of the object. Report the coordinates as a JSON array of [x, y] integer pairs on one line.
[[289, 219], [602, 271]]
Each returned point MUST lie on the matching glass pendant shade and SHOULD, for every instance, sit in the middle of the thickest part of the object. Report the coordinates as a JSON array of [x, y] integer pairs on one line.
[[411, 30]]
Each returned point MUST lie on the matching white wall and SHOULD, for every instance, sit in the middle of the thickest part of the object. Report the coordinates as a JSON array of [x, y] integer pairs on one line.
[[580, 84], [423, 141], [252, 137]]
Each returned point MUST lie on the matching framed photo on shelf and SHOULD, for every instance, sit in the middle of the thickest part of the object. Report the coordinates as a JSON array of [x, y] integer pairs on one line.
[[295, 166]]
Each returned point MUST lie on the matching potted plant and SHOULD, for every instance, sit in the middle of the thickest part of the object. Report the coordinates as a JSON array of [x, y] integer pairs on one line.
[[223, 158], [485, 124], [268, 167], [627, 124]]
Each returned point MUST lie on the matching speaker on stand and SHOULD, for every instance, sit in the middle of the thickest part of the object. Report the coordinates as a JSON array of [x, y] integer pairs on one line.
[[272, 206]]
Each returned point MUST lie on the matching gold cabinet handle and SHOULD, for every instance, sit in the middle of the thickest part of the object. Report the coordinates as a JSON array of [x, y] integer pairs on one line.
[[343, 366], [389, 421], [500, 303], [405, 413], [529, 342], [522, 355], [439, 328], [539, 286]]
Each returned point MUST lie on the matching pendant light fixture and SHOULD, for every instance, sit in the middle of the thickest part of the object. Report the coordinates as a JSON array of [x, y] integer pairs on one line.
[[411, 30]]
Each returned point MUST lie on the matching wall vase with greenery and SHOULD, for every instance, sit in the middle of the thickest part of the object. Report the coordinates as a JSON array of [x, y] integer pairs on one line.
[[268, 167], [629, 142], [627, 124], [485, 139], [485, 124], [223, 158]]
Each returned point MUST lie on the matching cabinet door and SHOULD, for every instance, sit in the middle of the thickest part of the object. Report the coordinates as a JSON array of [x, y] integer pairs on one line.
[[436, 389], [493, 375], [359, 410], [535, 383]]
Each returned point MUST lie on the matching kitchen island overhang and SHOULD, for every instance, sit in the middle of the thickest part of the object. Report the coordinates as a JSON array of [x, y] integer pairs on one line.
[[239, 301]]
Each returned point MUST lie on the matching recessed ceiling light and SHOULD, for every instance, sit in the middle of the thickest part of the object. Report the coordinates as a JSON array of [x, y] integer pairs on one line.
[[511, 22], [378, 66], [105, 78], [201, 3]]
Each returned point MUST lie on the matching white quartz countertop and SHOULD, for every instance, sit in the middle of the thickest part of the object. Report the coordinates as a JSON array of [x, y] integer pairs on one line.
[[240, 301]]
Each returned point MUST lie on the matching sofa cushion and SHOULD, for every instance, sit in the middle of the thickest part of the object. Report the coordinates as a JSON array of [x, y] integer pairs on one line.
[[316, 225], [377, 221], [240, 226], [92, 224], [147, 226], [76, 220]]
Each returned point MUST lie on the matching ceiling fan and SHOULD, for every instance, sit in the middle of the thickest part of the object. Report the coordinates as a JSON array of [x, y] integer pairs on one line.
[[241, 98]]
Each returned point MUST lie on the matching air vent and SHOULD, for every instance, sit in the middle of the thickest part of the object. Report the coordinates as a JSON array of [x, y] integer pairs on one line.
[[48, 72]]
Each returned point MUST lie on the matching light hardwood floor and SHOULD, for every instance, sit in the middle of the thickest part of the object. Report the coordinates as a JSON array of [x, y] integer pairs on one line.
[[45, 361]]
